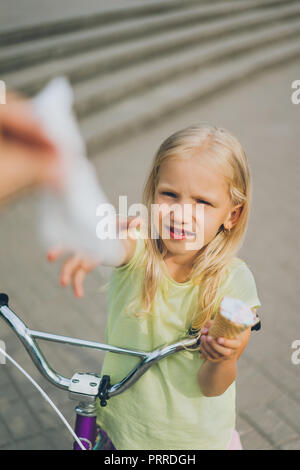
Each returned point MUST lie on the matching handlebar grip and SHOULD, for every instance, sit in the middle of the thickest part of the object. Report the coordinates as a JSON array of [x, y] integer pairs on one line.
[[3, 300], [256, 327]]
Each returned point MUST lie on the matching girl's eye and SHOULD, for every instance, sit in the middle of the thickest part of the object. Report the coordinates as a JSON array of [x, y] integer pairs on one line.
[[200, 201], [170, 194]]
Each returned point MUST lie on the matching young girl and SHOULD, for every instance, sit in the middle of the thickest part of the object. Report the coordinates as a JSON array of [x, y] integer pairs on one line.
[[162, 289]]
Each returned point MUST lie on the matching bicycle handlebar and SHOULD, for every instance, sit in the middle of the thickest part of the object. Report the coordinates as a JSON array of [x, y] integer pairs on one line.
[[28, 338], [28, 341]]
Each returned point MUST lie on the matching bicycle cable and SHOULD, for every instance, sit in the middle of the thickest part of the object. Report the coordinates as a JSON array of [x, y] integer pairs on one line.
[[44, 394]]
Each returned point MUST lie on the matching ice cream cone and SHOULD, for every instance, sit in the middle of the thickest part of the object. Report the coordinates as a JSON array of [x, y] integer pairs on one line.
[[233, 317]]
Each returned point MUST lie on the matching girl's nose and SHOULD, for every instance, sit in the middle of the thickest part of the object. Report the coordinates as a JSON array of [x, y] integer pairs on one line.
[[183, 214]]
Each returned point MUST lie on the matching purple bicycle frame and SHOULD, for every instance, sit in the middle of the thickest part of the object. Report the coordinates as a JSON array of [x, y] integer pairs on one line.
[[85, 429], [91, 436]]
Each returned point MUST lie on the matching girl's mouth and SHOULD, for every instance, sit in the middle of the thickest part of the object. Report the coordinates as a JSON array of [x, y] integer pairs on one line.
[[179, 234]]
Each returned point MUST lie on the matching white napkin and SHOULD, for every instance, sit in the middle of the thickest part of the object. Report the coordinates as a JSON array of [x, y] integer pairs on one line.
[[68, 218]]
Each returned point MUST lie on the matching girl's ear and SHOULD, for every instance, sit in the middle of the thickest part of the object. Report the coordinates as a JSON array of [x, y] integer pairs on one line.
[[234, 216]]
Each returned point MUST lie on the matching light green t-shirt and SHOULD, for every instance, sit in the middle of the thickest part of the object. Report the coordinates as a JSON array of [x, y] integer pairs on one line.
[[164, 409]]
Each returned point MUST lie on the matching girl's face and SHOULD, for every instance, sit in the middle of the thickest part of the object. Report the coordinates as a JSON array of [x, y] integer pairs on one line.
[[191, 182]]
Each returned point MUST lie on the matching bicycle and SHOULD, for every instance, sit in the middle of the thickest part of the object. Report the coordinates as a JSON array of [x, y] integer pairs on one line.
[[86, 387]]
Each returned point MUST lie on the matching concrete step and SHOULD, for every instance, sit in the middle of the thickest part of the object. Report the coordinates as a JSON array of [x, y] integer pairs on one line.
[[112, 12], [103, 92], [116, 57], [23, 54], [127, 117]]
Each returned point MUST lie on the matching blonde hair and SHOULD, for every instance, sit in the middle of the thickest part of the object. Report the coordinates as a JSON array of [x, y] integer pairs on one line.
[[222, 150]]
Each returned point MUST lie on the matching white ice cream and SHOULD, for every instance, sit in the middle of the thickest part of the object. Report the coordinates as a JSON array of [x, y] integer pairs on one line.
[[237, 311]]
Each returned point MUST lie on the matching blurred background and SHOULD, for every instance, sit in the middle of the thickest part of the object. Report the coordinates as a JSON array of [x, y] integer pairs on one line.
[[140, 71]]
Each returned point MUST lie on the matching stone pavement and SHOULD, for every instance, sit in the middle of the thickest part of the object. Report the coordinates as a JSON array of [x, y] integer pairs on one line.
[[260, 113]]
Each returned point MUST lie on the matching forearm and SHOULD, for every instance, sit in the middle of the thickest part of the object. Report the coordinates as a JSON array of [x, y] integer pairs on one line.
[[20, 173], [215, 378], [25, 166]]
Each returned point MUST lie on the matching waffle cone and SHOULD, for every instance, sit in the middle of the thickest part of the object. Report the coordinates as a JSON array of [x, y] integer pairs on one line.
[[225, 328]]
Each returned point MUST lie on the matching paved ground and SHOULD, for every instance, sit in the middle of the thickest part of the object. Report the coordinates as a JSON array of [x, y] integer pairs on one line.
[[261, 114]]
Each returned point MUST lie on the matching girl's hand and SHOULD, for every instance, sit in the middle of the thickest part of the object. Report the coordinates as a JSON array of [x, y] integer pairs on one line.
[[73, 271], [221, 349]]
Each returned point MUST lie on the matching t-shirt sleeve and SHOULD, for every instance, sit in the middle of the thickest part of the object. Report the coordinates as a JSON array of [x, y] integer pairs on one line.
[[241, 285]]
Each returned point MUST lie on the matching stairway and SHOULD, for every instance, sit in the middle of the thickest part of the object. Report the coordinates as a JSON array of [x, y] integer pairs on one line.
[[132, 66]]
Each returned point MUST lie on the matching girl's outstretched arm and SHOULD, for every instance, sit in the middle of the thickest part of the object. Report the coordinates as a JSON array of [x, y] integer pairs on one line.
[[76, 267]]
